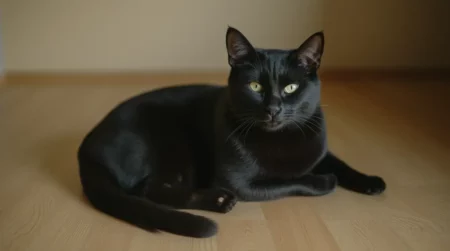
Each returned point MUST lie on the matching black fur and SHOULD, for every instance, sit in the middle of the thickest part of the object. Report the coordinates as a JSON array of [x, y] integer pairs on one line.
[[206, 147]]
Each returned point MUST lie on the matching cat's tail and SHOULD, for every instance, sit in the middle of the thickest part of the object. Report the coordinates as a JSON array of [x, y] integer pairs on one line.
[[110, 199]]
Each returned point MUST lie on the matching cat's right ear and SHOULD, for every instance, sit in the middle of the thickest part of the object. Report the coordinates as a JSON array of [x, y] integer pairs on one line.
[[309, 54], [240, 51]]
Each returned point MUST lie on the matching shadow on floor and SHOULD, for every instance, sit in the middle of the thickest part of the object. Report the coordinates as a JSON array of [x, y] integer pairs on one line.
[[58, 160]]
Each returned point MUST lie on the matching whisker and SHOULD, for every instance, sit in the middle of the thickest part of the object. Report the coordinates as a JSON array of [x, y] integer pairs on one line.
[[318, 117], [319, 124], [248, 130], [316, 125], [243, 130], [236, 129], [306, 124], [309, 123], [299, 127]]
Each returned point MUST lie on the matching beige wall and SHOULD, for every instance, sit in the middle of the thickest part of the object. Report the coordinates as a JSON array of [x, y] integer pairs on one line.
[[148, 34], [387, 33], [119, 35]]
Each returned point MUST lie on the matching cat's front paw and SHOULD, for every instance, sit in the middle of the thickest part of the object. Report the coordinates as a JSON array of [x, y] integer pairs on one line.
[[371, 185], [226, 201], [217, 200]]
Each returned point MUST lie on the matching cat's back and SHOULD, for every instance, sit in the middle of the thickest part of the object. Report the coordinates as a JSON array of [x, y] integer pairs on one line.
[[178, 94], [183, 100], [173, 95], [157, 113]]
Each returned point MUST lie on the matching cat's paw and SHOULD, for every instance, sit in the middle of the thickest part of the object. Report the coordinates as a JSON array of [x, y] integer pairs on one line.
[[226, 201], [218, 200], [371, 185]]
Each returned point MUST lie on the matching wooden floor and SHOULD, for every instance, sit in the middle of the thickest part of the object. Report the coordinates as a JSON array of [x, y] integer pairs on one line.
[[396, 130]]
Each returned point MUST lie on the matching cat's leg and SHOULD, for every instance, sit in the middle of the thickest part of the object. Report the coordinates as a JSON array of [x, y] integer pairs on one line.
[[175, 173], [270, 189], [317, 185], [212, 199], [350, 178]]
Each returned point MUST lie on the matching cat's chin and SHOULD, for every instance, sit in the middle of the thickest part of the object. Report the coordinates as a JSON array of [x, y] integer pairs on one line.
[[273, 126]]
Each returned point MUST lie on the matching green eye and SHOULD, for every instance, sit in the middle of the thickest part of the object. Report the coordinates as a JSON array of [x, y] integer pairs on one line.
[[291, 88], [256, 87]]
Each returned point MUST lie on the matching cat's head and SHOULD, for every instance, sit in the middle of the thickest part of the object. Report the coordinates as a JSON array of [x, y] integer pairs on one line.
[[273, 89]]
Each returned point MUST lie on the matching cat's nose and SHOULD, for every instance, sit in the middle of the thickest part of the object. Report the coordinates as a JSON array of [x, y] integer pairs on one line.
[[273, 111]]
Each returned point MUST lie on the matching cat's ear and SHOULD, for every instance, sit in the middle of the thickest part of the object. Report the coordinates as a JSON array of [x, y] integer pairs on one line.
[[309, 54], [239, 48]]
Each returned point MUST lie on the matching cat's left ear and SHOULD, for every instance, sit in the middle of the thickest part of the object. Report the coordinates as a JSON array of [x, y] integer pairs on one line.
[[309, 54]]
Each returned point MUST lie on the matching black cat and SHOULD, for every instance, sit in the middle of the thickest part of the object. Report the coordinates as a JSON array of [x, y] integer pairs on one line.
[[204, 147]]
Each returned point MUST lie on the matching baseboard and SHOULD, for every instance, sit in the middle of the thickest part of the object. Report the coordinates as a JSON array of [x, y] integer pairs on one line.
[[168, 78], [149, 78], [2, 81], [401, 74]]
